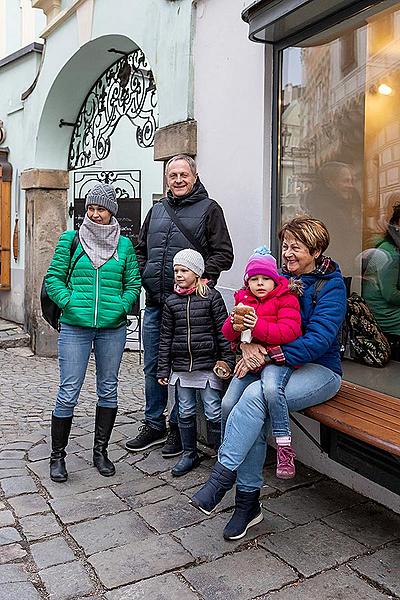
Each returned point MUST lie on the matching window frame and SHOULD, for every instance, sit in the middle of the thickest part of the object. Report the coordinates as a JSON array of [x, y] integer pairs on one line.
[[5, 221]]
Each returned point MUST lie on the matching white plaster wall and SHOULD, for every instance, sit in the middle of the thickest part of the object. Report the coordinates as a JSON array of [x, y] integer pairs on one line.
[[232, 108]]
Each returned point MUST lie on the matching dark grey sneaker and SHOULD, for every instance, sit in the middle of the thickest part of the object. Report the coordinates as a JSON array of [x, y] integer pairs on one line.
[[173, 445], [147, 438]]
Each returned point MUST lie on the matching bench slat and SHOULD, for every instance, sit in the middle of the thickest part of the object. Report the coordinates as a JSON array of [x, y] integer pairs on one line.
[[349, 389], [372, 416], [355, 427], [366, 406], [364, 414], [391, 404]]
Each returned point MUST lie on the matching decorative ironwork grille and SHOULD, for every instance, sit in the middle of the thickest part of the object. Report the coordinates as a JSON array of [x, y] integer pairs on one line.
[[127, 185], [126, 88]]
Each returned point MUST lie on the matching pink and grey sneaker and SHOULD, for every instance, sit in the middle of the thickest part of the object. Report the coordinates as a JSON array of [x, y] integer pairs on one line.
[[285, 468]]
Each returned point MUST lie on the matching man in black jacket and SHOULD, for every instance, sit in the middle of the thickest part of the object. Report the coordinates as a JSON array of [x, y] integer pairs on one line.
[[160, 238]]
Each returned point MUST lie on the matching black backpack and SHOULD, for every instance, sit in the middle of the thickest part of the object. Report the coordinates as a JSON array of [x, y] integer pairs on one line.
[[51, 312], [360, 337]]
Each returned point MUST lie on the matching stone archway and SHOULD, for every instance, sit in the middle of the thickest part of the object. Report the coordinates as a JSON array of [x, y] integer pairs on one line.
[[60, 150]]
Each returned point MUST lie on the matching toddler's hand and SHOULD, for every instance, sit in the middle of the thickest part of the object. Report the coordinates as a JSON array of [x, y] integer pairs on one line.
[[163, 381], [250, 320]]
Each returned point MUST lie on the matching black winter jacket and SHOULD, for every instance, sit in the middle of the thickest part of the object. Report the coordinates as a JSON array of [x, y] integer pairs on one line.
[[160, 239], [191, 338]]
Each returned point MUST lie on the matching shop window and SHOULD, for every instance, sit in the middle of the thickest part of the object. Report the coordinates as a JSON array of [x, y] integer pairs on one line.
[[345, 160], [5, 221]]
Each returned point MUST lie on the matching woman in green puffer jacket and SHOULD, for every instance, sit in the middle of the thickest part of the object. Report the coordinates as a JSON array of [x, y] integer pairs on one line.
[[103, 287], [381, 283]]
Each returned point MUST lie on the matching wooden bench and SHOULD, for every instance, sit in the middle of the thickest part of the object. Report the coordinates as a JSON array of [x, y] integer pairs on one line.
[[364, 414]]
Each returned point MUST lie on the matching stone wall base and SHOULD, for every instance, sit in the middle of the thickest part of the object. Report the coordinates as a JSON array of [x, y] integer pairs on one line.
[[46, 218]]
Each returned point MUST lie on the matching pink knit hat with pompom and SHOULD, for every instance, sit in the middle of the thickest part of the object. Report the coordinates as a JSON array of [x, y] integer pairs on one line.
[[261, 263]]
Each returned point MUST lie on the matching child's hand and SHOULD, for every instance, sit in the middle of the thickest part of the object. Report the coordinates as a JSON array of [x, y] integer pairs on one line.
[[238, 319], [250, 320], [222, 369], [163, 381]]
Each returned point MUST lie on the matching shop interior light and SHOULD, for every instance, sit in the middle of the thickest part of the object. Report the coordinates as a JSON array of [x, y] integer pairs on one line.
[[385, 89]]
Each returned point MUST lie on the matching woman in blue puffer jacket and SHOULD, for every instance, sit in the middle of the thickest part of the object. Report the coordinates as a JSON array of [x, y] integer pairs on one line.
[[316, 377]]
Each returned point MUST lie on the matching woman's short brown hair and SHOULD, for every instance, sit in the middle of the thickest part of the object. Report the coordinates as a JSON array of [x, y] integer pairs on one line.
[[310, 232]]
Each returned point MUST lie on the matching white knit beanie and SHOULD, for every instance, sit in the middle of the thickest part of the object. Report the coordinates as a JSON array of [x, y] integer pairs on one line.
[[190, 259], [103, 195]]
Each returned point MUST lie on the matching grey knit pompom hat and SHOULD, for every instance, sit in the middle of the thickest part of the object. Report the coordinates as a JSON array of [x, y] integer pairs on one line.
[[103, 195], [191, 260]]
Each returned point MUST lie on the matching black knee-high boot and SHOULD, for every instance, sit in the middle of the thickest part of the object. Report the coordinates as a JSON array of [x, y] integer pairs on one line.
[[60, 430], [214, 435], [189, 459], [105, 419]]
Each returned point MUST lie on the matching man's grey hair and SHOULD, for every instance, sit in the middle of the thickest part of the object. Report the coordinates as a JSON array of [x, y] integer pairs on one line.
[[190, 161]]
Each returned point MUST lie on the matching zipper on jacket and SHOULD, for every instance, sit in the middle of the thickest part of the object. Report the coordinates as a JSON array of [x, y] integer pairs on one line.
[[97, 297], [189, 334]]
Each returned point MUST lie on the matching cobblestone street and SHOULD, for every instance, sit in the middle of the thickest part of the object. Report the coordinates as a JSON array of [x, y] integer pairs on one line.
[[135, 536]]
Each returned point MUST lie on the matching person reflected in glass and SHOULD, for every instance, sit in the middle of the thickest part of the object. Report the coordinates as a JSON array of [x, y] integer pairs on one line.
[[335, 200], [381, 282]]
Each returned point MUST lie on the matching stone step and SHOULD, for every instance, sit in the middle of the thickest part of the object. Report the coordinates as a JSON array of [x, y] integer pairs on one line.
[[16, 340], [12, 335]]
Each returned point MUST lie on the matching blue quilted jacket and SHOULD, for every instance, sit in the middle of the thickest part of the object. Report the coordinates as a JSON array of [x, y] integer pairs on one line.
[[321, 322]]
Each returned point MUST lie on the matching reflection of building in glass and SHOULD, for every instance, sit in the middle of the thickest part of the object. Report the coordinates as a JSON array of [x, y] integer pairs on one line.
[[348, 111]]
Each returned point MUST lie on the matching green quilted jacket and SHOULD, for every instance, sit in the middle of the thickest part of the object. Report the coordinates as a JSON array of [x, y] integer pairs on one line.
[[99, 298]]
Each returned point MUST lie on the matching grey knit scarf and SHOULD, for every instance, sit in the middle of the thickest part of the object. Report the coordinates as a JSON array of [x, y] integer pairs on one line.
[[99, 241]]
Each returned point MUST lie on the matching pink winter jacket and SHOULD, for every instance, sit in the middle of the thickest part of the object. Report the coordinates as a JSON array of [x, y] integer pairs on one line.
[[279, 320]]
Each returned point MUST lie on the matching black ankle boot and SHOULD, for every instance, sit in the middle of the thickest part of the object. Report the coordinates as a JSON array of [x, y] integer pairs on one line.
[[60, 430], [220, 481], [248, 512], [214, 435], [105, 418], [173, 443], [190, 459]]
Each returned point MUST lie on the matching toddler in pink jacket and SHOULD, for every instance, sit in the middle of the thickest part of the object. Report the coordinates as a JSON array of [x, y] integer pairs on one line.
[[268, 309]]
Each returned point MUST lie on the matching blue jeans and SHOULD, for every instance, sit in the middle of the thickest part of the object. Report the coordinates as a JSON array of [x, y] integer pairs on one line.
[[244, 444], [233, 394], [187, 402], [156, 395], [74, 348], [274, 379]]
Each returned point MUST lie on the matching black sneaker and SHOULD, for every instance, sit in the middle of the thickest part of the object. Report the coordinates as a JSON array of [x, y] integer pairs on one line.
[[147, 438], [173, 445]]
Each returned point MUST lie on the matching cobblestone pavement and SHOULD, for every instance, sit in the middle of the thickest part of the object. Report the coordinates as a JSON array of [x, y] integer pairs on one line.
[[134, 536]]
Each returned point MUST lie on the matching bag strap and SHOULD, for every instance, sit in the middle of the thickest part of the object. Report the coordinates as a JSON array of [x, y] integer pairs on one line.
[[318, 285], [188, 235], [74, 246]]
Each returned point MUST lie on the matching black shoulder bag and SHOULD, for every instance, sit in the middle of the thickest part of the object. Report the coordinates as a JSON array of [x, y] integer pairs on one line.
[[188, 235], [51, 312]]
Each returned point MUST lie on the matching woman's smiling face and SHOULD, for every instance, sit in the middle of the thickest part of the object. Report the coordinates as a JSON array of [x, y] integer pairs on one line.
[[296, 256]]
